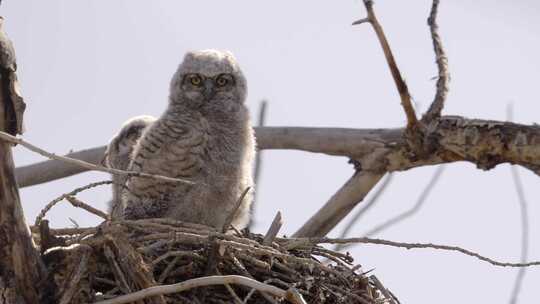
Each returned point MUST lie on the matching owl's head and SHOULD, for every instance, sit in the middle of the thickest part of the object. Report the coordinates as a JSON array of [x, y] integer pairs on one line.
[[208, 79]]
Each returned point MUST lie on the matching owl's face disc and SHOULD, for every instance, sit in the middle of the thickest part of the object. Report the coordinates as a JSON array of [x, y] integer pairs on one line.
[[209, 80]]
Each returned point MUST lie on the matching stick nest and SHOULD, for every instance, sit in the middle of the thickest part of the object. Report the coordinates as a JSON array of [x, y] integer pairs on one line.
[[120, 257]]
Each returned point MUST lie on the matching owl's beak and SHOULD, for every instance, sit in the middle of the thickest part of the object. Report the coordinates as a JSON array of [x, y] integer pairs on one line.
[[209, 89]]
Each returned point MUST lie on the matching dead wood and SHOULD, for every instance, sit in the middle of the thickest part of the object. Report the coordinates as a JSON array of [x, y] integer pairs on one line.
[[139, 258], [21, 269]]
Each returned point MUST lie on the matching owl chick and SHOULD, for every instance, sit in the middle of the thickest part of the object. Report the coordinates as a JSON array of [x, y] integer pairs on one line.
[[118, 156], [204, 136]]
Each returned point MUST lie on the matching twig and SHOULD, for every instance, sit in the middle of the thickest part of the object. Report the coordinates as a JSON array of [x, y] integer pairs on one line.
[[116, 270], [443, 79], [419, 203], [387, 294], [339, 205], [167, 270], [205, 281], [524, 222], [78, 203], [258, 156], [10, 138], [45, 171], [524, 234], [231, 291], [246, 273], [258, 163], [273, 230], [396, 74], [373, 199], [51, 204], [230, 217], [366, 240], [64, 231], [72, 282]]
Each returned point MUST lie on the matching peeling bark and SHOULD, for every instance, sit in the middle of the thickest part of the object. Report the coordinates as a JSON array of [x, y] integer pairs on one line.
[[21, 269]]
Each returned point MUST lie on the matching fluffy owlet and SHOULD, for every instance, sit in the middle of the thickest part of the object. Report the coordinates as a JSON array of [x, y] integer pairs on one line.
[[118, 156], [204, 136]]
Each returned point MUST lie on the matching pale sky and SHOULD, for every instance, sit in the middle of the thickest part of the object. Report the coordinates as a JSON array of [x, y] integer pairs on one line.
[[87, 66]]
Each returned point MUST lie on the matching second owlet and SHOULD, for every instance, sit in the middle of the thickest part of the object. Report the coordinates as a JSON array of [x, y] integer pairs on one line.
[[118, 156], [204, 136]]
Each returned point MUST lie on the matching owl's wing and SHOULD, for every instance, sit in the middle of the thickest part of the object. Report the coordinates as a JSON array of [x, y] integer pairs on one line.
[[118, 154]]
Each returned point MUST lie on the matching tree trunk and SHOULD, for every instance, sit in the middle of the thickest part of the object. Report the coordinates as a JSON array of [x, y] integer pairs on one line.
[[21, 269]]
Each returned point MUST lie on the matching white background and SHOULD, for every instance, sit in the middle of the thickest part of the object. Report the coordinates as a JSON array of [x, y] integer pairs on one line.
[[86, 66]]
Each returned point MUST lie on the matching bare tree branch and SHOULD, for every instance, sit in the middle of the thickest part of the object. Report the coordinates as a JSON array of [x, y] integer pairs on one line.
[[258, 164], [292, 295], [367, 206], [230, 217], [52, 203], [485, 143], [443, 79], [524, 221], [524, 234], [80, 204], [56, 169], [258, 156], [396, 74], [294, 243]]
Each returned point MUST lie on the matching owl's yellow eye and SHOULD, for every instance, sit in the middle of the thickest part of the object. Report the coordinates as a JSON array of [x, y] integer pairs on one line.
[[195, 80], [222, 80]]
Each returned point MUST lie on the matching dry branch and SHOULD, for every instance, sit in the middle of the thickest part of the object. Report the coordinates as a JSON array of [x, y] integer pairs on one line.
[[199, 282], [56, 169], [127, 256], [396, 74], [21, 269], [485, 143], [52, 203], [524, 234], [299, 242], [273, 230], [443, 79], [80, 204], [258, 164], [258, 157], [230, 216]]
